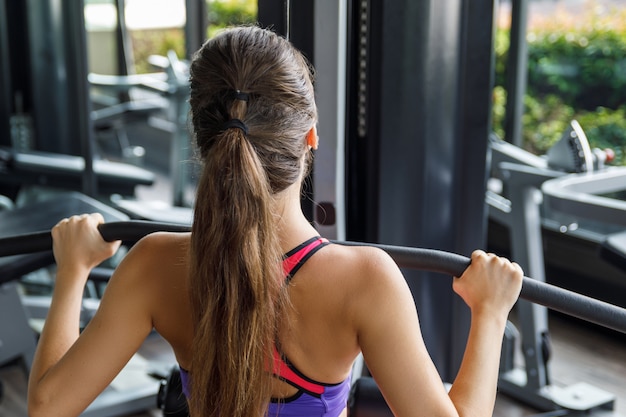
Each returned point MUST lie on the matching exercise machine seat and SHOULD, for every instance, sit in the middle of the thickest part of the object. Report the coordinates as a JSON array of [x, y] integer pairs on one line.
[[66, 172]]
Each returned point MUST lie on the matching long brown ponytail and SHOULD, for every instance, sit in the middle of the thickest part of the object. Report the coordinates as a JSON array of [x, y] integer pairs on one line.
[[237, 293]]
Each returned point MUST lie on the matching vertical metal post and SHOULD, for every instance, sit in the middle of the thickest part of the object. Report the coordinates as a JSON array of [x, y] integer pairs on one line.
[[48, 77], [18, 63], [527, 250], [125, 61], [529, 384], [5, 78], [320, 36], [304, 35], [274, 14], [61, 107], [180, 145], [476, 72], [196, 27], [363, 119], [330, 89], [517, 73], [428, 85], [76, 65]]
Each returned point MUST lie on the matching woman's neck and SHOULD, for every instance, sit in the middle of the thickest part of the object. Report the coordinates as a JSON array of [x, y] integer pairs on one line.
[[291, 224]]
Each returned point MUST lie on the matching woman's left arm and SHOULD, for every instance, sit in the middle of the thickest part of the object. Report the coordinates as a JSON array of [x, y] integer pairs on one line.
[[70, 369]]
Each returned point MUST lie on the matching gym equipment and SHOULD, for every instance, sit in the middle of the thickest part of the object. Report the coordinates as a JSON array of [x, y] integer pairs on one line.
[[171, 398], [416, 140], [589, 195], [114, 119], [366, 400], [530, 207], [166, 92], [595, 197], [172, 89], [16, 344], [613, 249], [514, 172], [36, 216], [18, 169], [135, 389]]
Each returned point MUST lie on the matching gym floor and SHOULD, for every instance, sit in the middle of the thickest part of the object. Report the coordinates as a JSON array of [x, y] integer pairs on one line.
[[580, 353]]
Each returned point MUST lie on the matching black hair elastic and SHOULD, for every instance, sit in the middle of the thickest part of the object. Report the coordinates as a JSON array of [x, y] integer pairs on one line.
[[238, 95], [235, 123]]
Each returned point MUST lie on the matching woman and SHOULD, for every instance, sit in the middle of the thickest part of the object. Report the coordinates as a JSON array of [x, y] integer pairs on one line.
[[255, 334]]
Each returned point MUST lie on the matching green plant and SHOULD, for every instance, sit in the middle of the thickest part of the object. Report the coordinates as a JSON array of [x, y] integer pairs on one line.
[[544, 121], [223, 13], [576, 70], [501, 49], [498, 110], [156, 42], [587, 69], [606, 128]]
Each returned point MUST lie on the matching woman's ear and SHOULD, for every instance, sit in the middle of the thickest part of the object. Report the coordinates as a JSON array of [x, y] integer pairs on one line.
[[311, 138]]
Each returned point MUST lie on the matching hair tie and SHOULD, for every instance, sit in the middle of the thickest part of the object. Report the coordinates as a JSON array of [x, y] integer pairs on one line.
[[241, 96], [237, 124]]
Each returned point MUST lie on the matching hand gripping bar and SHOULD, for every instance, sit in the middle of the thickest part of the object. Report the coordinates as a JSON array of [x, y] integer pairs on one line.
[[553, 297]]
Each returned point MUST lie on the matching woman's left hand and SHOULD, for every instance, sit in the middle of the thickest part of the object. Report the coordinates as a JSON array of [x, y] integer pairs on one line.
[[78, 244]]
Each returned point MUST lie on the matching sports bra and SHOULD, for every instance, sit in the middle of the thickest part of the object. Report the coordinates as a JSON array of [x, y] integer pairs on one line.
[[313, 398]]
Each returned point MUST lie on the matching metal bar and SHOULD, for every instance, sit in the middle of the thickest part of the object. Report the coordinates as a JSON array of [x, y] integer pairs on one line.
[[275, 15], [196, 27], [517, 68], [125, 57], [5, 83], [77, 69], [559, 299]]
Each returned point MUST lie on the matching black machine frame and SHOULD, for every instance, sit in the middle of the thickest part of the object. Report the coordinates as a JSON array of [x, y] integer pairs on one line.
[[5, 77]]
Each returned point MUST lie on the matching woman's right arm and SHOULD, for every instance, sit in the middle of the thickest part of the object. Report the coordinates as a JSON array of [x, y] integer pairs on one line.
[[390, 339], [71, 368]]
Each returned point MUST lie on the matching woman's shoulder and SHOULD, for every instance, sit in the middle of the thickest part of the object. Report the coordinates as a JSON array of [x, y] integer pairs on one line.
[[163, 243], [363, 255], [158, 254], [356, 282], [359, 264]]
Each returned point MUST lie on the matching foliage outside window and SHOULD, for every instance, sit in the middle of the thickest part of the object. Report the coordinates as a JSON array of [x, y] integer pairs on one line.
[[576, 70], [221, 13]]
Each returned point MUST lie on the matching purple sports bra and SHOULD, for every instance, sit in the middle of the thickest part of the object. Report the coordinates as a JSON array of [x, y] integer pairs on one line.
[[313, 398]]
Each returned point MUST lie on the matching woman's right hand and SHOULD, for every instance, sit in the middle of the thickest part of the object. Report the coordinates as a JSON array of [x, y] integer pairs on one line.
[[490, 284], [77, 243]]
